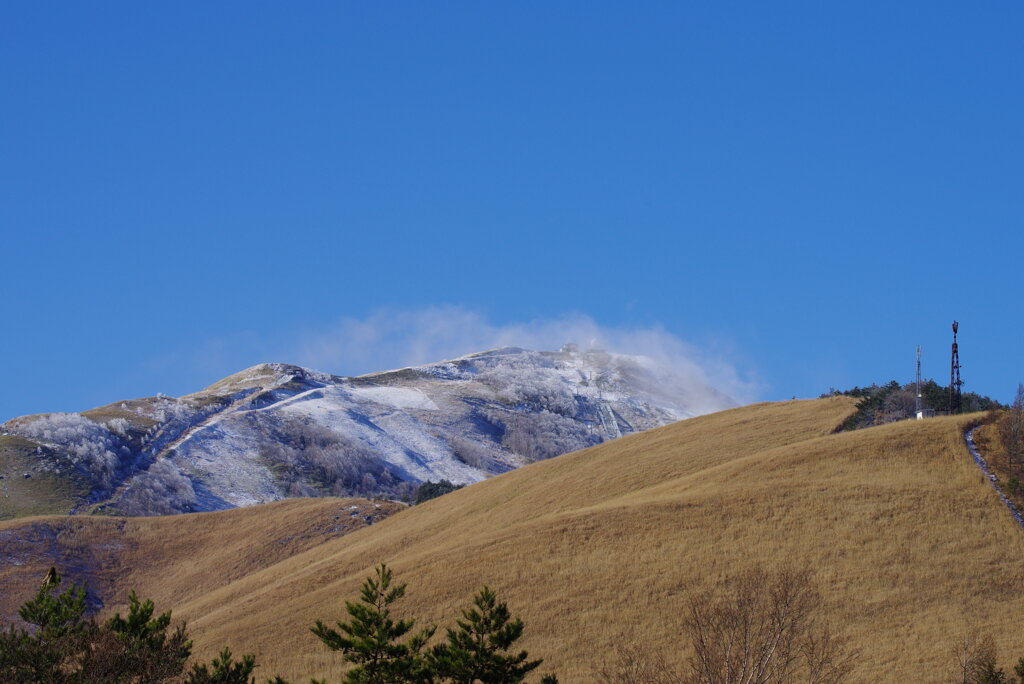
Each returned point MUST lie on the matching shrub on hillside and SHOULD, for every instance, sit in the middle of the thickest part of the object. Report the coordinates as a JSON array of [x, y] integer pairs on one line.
[[478, 648], [384, 650], [119, 426], [224, 670], [431, 490]]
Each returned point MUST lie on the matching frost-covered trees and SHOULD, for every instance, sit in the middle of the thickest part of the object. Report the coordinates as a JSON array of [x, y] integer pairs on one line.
[[90, 446], [308, 459], [530, 387], [119, 426], [543, 434], [161, 490], [472, 452]]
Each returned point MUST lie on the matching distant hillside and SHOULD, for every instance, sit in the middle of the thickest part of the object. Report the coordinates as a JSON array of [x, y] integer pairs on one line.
[[604, 546], [276, 431]]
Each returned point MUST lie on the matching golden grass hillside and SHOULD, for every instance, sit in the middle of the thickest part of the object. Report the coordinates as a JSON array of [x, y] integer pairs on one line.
[[604, 546]]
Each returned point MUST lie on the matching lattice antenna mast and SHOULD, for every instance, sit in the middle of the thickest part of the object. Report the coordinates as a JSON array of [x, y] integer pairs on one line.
[[918, 409], [954, 375]]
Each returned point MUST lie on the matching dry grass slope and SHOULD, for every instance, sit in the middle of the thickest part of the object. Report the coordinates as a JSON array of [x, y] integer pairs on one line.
[[170, 559], [605, 545]]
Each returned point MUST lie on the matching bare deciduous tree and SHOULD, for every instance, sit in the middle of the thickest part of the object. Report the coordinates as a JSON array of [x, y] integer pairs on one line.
[[634, 665], [975, 655], [764, 628], [1011, 429]]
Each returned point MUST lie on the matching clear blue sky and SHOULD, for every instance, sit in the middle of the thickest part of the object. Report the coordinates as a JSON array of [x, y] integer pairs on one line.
[[806, 190]]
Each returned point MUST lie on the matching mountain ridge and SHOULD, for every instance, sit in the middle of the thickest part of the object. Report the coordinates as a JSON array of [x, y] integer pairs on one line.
[[277, 430]]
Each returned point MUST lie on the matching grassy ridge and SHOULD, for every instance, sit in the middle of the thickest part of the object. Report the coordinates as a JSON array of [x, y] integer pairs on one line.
[[605, 545]]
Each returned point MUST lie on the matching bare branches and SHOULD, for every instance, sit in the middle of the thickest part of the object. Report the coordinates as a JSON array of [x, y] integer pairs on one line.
[[634, 665], [1011, 429], [764, 628], [758, 628], [975, 655]]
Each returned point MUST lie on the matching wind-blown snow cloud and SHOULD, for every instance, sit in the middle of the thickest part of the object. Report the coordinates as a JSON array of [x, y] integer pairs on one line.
[[397, 338]]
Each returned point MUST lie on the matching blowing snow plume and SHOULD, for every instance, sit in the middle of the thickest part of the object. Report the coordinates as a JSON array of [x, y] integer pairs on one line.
[[401, 338]]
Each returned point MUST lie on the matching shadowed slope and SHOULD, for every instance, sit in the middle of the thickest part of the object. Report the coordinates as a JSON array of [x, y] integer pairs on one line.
[[169, 559]]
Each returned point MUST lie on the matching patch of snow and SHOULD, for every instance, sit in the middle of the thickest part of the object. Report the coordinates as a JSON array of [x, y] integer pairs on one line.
[[396, 397]]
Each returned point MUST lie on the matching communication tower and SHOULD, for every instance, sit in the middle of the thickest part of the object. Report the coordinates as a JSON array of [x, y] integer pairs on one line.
[[955, 383], [918, 408]]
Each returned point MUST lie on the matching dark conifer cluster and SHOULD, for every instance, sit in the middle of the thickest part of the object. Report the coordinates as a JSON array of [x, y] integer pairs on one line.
[[62, 646]]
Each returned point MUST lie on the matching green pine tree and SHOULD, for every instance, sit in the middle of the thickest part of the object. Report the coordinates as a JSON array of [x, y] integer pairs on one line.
[[224, 670], [136, 648], [478, 650], [371, 639], [59, 633], [989, 673]]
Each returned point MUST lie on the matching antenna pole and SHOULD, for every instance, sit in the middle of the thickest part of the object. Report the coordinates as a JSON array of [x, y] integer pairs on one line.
[[918, 409], [954, 375]]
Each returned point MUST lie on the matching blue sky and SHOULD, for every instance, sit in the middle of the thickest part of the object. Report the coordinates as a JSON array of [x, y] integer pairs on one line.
[[800, 193]]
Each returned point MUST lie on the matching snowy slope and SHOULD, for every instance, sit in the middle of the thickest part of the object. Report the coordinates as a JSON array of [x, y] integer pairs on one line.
[[276, 430]]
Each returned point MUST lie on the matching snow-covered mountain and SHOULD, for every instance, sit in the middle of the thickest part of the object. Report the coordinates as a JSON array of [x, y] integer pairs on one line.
[[276, 430]]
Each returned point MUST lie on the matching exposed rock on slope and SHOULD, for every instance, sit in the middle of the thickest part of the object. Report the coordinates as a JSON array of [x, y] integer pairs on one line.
[[275, 431]]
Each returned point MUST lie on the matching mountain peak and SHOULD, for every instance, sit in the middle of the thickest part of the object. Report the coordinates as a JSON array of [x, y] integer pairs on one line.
[[277, 430]]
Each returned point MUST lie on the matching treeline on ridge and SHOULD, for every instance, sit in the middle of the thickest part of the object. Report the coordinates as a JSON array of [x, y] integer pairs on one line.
[[888, 403]]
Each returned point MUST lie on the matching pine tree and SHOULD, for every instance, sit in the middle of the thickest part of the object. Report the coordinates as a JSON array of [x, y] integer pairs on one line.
[[224, 670], [61, 646], [478, 650], [136, 648], [370, 639], [59, 635]]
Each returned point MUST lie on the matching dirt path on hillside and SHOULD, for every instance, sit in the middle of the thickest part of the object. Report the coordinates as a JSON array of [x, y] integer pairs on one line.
[[983, 466]]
